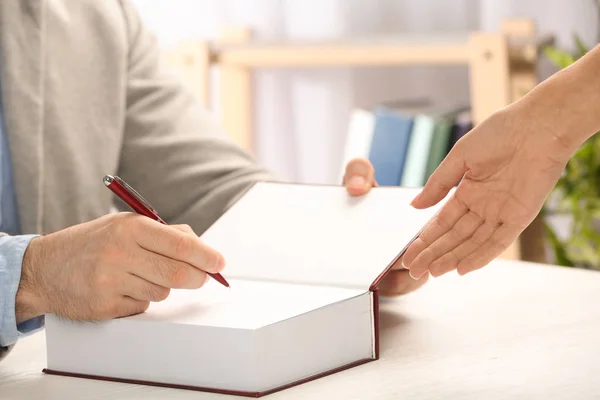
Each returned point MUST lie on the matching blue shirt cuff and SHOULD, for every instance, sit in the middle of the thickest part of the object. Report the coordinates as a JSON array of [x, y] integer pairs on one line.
[[12, 249]]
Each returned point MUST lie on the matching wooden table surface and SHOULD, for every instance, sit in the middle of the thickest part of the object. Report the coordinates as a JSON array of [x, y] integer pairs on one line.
[[509, 331]]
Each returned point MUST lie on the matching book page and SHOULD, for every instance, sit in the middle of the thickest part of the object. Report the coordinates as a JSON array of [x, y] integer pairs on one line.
[[316, 234], [246, 305]]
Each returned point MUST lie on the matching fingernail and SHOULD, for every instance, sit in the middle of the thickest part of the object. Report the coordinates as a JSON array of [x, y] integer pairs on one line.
[[357, 181], [220, 264], [403, 265], [412, 276]]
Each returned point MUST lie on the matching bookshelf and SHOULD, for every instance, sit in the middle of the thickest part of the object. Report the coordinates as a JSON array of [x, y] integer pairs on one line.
[[502, 67]]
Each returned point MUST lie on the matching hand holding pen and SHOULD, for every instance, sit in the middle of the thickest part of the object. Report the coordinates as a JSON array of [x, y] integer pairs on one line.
[[141, 206], [112, 266]]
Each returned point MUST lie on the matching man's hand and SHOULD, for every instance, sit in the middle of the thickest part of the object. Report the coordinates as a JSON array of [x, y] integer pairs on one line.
[[359, 178], [111, 267], [508, 165]]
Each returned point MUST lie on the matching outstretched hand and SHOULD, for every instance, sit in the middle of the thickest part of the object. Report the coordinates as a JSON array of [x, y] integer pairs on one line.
[[506, 167]]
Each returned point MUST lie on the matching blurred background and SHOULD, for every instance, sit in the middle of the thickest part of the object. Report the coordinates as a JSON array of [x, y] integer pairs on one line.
[[303, 118], [302, 115]]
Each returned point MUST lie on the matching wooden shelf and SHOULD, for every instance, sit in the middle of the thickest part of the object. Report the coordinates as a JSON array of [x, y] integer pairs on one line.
[[356, 52], [437, 49]]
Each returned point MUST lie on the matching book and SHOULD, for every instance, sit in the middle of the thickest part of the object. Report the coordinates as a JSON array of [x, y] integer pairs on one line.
[[442, 135], [462, 125], [303, 261], [391, 135], [358, 138], [433, 126], [418, 151], [405, 140]]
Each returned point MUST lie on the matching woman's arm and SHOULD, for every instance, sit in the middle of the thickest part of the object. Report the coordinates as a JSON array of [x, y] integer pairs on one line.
[[507, 166]]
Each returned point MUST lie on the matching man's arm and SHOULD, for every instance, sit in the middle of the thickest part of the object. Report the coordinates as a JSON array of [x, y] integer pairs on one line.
[[12, 326], [173, 150]]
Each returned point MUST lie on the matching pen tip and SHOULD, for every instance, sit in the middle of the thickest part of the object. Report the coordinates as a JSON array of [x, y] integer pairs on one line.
[[220, 279]]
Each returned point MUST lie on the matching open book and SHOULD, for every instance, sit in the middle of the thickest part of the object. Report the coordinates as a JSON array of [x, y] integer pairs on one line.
[[303, 262]]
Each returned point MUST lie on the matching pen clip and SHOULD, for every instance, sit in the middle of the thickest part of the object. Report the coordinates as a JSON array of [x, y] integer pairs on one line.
[[135, 194]]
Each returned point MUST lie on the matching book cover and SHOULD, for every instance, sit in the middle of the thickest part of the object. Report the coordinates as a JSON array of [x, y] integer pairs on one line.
[[462, 125], [389, 146], [418, 151], [358, 137], [441, 140]]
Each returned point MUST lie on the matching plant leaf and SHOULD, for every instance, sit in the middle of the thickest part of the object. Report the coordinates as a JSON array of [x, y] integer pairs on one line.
[[561, 59], [581, 47], [577, 192], [560, 254]]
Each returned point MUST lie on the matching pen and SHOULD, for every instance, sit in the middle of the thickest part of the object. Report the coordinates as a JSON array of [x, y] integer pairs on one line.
[[138, 204]]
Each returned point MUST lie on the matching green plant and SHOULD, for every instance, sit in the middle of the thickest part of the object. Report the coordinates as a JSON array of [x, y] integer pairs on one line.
[[577, 193]]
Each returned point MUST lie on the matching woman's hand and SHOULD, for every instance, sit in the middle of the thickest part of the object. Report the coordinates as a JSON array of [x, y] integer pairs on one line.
[[506, 166]]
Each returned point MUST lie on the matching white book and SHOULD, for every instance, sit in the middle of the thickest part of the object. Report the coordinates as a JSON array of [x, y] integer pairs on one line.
[[358, 138], [303, 262]]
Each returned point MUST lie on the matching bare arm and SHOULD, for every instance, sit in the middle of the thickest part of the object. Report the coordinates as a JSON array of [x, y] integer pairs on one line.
[[508, 165], [567, 105]]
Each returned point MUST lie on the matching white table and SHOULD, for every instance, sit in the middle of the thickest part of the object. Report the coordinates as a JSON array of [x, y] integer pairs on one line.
[[509, 331]]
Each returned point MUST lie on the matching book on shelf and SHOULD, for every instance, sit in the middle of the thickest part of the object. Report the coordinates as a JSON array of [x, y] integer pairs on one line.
[[389, 144], [418, 151], [405, 141], [441, 139], [358, 138], [303, 261], [462, 125]]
